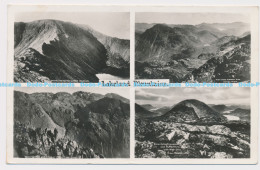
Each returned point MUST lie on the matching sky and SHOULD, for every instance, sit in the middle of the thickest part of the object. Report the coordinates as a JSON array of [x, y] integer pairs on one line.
[[171, 96], [189, 18], [124, 92], [115, 24]]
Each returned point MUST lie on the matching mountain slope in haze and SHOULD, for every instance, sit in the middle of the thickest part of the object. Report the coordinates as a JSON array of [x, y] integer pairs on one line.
[[141, 112], [234, 28], [48, 50], [219, 108], [148, 106], [89, 120], [243, 114], [192, 111]]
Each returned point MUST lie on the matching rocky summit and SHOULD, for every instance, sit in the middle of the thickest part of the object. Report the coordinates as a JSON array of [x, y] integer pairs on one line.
[[64, 125]]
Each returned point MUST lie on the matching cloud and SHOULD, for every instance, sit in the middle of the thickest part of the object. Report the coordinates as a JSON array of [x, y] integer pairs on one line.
[[209, 95], [146, 95]]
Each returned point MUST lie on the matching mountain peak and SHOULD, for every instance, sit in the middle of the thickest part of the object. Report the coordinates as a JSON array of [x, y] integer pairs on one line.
[[192, 110]]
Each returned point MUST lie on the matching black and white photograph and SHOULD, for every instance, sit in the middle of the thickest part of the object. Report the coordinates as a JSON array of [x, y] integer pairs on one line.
[[193, 47], [193, 123], [73, 123], [74, 47]]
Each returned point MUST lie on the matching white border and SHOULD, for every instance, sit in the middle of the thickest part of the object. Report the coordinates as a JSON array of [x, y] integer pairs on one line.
[[207, 161]]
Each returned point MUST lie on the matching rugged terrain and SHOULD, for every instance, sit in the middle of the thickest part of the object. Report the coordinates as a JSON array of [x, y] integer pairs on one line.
[[193, 129], [81, 124], [194, 53], [47, 50]]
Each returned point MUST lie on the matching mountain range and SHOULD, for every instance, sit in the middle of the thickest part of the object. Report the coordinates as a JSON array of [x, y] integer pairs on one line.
[[47, 50], [93, 121], [195, 53]]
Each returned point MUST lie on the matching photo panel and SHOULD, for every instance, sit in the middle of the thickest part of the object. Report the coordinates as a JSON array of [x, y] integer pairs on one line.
[[70, 123], [205, 123], [71, 46], [193, 47]]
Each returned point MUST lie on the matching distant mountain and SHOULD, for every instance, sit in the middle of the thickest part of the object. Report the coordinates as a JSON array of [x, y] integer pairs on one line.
[[243, 114], [218, 29], [148, 106], [192, 111], [46, 50], [162, 110], [219, 108], [141, 112], [235, 28], [91, 120]]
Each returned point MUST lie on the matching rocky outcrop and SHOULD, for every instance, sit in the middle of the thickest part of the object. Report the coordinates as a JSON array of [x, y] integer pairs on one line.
[[193, 140]]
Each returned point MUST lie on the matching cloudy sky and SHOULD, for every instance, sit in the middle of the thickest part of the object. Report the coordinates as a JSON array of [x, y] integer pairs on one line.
[[115, 24], [120, 91], [190, 18], [171, 96]]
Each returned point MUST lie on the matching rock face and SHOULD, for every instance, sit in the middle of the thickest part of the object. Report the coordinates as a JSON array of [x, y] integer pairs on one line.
[[90, 121], [55, 50], [200, 53]]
